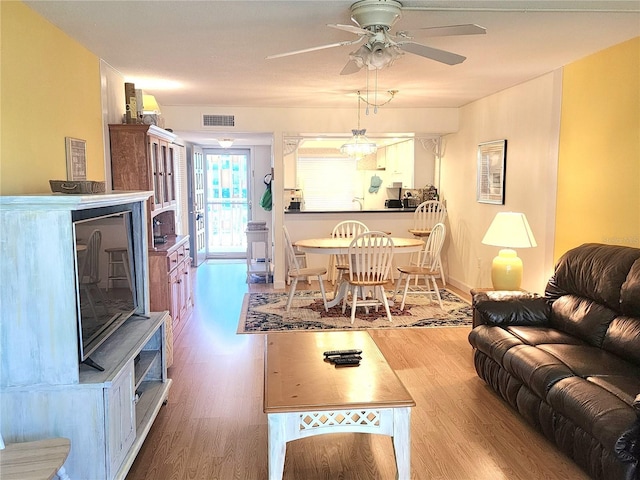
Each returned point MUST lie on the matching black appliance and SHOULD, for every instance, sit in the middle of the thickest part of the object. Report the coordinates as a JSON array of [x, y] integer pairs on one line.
[[393, 203]]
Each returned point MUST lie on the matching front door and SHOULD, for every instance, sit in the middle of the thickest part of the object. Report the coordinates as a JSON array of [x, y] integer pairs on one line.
[[197, 232], [227, 202]]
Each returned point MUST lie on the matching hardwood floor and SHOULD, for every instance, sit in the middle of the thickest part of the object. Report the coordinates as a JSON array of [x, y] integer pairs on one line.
[[213, 426]]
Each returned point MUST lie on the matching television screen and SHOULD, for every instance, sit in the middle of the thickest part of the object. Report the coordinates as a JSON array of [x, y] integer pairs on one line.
[[105, 277]]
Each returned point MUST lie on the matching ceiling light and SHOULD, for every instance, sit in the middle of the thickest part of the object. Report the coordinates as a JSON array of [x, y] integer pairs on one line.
[[226, 142], [359, 146]]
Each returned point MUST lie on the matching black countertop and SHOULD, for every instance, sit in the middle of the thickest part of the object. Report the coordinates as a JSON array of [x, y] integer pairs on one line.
[[382, 210]]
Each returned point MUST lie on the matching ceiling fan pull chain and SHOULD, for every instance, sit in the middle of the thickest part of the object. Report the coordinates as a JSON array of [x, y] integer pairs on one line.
[[367, 100], [375, 95]]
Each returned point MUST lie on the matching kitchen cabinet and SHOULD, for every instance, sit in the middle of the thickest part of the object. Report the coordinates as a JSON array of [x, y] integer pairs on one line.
[[381, 159], [170, 285], [400, 162]]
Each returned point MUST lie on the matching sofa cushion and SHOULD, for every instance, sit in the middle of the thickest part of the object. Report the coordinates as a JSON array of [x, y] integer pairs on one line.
[[582, 318], [623, 338], [492, 341], [594, 271], [537, 369], [630, 292], [511, 308], [586, 361], [538, 335], [624, 387], [596, 411]]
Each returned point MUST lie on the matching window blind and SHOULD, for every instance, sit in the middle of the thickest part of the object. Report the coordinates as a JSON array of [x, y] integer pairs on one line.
[[327, 183]]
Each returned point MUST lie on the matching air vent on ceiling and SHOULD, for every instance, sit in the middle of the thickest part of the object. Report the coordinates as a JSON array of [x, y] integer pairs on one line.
[[218, 120]]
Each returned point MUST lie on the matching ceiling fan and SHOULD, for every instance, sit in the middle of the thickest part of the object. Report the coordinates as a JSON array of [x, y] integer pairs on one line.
[[374, 19]]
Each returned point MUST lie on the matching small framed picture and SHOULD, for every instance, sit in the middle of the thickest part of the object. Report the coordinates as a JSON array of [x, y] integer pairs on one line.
[[492, 157], [76, 158]]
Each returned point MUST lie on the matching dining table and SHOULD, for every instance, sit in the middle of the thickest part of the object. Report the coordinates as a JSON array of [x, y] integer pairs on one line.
[[340, 246]]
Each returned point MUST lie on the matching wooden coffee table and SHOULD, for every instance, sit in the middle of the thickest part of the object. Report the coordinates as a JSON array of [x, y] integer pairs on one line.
[[306, 396]]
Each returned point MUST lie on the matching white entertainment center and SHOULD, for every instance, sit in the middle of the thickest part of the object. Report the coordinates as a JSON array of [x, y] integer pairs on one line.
[[44, 389]]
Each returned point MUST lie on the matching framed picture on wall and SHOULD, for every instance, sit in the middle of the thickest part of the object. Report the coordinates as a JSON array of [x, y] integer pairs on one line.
[[492, 158], [76, 158]]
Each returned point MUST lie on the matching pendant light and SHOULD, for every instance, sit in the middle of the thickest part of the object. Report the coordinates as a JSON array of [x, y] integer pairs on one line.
[[359, 146]]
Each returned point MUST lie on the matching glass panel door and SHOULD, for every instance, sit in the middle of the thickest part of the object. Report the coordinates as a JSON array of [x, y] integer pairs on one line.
[[227, 205]]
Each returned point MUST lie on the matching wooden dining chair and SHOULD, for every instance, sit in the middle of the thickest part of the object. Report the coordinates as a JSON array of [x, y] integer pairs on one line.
[[425, 217], [295, 272], [338, 264], [369, 257], [428, 269]]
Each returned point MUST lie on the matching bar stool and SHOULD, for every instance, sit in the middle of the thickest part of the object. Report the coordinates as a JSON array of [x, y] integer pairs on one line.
[[118, 267]]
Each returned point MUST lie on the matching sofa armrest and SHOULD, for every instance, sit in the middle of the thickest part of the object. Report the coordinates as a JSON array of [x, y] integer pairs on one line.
[[509, 308]]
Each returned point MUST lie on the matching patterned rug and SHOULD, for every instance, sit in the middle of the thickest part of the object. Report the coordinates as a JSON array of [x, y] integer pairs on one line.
[[265, 312]]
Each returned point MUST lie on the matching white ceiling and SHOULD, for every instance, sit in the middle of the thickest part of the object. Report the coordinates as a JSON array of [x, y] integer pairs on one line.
[[212, 53]]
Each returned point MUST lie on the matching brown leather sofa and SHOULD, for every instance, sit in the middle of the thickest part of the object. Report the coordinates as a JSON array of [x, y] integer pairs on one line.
[[569, 361]]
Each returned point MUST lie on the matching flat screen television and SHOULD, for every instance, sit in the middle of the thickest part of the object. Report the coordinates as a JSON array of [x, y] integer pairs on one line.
[[106, 286]]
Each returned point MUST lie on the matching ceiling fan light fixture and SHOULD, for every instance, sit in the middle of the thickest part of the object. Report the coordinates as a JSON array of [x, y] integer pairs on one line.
[[375, 56]]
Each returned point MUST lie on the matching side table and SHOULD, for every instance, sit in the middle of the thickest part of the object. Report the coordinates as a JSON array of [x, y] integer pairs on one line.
[[256, 265]]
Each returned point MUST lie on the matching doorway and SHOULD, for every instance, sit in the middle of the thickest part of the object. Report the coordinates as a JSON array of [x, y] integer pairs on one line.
[[227, 201]]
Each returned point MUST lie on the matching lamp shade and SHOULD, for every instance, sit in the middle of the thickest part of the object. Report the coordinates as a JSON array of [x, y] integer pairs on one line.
[[510, 230], [150, 105]]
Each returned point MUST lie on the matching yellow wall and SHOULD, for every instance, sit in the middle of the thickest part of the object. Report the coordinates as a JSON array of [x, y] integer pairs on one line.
[[599, 156], [50, 89]]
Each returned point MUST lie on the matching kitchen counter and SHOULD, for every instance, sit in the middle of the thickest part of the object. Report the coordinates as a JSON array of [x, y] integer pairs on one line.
[[342, 212]]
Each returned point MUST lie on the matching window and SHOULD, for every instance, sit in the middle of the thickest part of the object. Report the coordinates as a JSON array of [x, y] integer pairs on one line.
[[328, 183]]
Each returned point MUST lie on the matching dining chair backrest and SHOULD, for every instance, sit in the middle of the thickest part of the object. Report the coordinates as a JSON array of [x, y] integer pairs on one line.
[[429, 213], [90, 270], [347, 229], [291, 254], [431, 255], [370, 256]]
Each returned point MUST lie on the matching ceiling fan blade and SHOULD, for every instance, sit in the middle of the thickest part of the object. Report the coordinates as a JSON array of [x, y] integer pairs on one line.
[[467, 29], [432, 53], [350, 68], [313, 49], [350, 28]]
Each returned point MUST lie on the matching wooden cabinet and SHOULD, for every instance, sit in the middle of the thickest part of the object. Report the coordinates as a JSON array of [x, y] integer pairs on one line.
[[121, 415], [45, 391], [142, 158], [170, 280]]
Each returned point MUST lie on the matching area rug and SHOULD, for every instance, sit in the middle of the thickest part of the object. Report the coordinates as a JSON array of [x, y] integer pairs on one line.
[[265, 312]]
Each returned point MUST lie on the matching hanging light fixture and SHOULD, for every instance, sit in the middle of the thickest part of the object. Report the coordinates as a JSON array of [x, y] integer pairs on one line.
[[359, 146], [226, 142]]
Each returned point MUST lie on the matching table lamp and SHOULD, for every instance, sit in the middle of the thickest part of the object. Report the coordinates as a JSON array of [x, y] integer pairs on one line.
[[509, 230]]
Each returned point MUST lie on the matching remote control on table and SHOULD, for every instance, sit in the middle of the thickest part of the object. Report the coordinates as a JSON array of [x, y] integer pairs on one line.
[[345, 361], [343, 358], [333, 353]]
